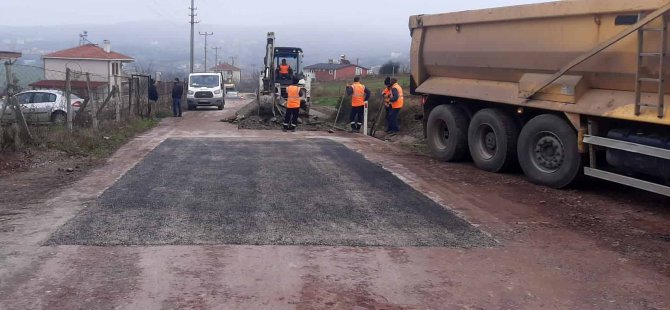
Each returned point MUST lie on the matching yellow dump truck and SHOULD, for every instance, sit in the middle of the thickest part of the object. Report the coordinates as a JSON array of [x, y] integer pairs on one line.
[[563, 89]]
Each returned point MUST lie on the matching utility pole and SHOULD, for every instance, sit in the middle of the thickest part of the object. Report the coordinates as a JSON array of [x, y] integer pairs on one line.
[[232, 60], [206, 34], [193, 22], [216, 55]]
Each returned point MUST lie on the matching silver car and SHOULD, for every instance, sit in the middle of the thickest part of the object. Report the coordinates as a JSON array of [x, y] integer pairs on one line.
[[42, 106]]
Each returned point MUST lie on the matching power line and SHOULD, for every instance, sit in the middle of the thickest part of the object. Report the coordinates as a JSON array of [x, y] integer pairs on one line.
[[232, 60], [216, 55], [206, 34], [193, 22]]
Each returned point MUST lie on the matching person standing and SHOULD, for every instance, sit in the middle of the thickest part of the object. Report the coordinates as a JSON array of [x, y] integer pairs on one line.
[[397, 102], [359, 100], [386, 95], [293, 102], [153, 96], [177, 93]]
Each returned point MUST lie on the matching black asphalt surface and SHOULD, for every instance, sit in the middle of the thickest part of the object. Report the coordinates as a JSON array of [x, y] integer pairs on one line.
[[312, 192]]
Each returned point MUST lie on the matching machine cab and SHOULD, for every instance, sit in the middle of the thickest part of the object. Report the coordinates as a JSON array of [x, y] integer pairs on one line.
[[291, 56]]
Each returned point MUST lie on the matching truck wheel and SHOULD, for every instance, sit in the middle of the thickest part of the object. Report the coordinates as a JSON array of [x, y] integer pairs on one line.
[[220, 107], [448, 133], [191, 107], [548, 153], [492, 138]]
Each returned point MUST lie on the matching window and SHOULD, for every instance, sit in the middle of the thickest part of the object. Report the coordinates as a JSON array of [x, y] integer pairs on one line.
[[43, 97], [24, 98], [359, 71], [330, 72], [115, 68]]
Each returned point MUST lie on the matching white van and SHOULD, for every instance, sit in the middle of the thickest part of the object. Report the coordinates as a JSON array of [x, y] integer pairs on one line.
[[205, 90]]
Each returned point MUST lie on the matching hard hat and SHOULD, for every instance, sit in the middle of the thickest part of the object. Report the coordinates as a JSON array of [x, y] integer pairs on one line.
[[301, 82]]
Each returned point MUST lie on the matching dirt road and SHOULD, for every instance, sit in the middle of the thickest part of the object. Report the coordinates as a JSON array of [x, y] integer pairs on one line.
[[133, 235]]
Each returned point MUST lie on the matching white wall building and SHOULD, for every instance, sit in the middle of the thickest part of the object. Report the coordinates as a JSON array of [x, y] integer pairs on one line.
[[102, 63]]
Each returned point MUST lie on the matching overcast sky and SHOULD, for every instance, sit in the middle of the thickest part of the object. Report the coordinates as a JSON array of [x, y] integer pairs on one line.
[[351, 13]]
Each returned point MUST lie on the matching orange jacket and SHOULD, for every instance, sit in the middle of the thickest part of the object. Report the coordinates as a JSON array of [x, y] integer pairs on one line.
[[401, 100], [284, 69], [358, 96], [293, 100]]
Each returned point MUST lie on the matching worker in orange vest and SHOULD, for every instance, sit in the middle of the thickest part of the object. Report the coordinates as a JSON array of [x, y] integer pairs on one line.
[[386, 94], [284, 71], [397, 101], [293, 102], [359, 100]]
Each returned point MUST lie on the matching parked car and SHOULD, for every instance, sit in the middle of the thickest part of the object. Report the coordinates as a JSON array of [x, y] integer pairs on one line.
[[205, 90], [42, 106]]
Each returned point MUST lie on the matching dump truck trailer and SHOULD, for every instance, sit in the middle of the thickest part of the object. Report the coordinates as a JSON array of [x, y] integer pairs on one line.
[[561, 89]]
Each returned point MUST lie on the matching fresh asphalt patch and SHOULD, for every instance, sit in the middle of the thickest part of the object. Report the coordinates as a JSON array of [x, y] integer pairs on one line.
[[310, 192]]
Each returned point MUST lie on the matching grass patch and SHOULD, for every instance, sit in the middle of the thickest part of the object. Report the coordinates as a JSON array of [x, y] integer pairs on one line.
[[88, 142], [327, 101]]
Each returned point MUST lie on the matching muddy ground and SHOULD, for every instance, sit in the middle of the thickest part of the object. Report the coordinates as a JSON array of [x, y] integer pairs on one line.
[[601, 246]]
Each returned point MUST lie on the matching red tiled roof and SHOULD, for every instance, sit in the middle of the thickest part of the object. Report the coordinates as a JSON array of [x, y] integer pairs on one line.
[[88, 51], [56, 84], [225, 67]]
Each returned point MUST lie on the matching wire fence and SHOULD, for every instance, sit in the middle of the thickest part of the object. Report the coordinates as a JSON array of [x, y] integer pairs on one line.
[[34, 108]]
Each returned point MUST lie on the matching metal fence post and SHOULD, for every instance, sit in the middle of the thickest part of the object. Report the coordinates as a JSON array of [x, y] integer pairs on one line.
[[117, 100], [68, 102]]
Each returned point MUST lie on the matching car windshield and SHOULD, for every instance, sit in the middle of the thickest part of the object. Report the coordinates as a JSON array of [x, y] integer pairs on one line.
[[205, 80]]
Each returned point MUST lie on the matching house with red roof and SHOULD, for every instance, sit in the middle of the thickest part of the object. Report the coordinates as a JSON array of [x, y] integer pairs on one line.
[[104, 65], [331, 71], [231, 74]]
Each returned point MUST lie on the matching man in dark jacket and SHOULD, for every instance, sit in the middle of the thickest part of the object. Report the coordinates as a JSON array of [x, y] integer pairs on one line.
[[177, 93], [153, 95]]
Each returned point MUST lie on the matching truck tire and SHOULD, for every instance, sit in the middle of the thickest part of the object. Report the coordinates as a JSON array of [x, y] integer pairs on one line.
[[492, 139], [447, 131], [548, 153], [220, 107]]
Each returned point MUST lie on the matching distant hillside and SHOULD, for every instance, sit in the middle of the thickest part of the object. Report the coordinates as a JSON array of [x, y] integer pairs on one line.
[[165, 47]]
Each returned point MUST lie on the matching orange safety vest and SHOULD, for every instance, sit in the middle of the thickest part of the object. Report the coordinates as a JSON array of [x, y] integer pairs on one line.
[[283, 69], [358, 96], [386, 93], [401, 100], [293, 100]]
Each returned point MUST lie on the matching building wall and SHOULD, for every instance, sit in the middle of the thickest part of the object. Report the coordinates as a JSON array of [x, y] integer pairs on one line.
[[340, 74], [54, 69], [236, 76]]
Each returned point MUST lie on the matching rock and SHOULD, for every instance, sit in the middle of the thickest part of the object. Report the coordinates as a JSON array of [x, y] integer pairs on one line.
[[69, 170]]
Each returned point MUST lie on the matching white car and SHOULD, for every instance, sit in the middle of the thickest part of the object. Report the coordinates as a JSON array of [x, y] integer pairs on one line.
[[42, 106]]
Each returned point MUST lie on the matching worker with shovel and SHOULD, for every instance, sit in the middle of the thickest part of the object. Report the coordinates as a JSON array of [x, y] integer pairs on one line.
[[293, 101], [397, 101], [359, 100], [387, 93]]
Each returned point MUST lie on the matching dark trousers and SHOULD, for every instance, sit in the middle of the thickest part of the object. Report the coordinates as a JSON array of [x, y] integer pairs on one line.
[[356, 117], [291, 118], [176, 107], [392, 119]]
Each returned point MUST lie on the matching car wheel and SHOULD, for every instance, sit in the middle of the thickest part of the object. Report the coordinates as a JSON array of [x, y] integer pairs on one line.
[[59, 118], [220, 107], [447, 131], [492, 138], [548, 152]]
